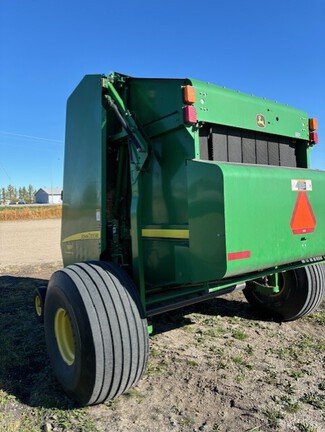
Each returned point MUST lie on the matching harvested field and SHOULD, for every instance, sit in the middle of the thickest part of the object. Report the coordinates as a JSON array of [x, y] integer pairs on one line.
[[18, 213]]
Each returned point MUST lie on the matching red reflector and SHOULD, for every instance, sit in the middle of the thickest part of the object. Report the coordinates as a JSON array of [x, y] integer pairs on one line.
[[190, 114], [313, 137], [303, 219], [238, 255]]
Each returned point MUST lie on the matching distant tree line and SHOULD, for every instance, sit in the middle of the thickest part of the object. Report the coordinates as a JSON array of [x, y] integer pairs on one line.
[[11, 194]]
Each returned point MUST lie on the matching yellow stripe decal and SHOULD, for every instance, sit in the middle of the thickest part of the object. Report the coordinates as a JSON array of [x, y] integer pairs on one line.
[[166, 233], [87, 235]]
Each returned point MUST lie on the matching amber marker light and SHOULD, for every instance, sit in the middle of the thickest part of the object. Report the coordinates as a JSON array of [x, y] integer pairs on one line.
[[189, 94], [313, 124]]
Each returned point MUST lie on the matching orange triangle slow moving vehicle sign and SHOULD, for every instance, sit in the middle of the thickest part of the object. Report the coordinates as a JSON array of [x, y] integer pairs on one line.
[[303, 219]]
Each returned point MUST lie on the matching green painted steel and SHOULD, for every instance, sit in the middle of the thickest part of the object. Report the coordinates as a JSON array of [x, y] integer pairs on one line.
[[83, 235], [157, 103], [170, 297], [232, 108], [137, 193], [240, 218]]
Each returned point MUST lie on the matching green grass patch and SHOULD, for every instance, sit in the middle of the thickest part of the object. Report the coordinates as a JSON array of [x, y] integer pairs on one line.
[[314, 399], [303, 427], [192, 363], [299, 350], [289, 404], [273, 416], [296, 374], [156, 367], [239, 335]]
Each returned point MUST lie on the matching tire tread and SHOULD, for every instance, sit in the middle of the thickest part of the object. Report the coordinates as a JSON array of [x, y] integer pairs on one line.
[[116, 325]]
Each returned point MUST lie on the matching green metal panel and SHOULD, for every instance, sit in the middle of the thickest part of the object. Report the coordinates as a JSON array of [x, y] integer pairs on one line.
[[190, 221], [164, 205], [232, 108], [157, 103], [83, 235], [240, 216]]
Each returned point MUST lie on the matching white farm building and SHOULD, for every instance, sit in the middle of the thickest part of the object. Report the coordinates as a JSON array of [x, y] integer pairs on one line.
[[48, 196]]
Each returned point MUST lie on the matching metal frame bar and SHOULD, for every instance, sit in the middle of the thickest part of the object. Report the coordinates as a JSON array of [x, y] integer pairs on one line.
[[159, 300]]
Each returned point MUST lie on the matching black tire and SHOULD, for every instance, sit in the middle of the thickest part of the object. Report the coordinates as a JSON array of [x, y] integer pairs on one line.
[[96, 331], [39, 302], [301, 292]]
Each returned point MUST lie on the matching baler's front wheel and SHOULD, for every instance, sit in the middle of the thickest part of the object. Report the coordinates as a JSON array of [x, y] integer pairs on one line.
[[39, 302], [96, 332], [301, 292]]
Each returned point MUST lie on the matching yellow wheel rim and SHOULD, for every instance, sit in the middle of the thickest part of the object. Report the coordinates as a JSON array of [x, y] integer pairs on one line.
[[38, 305], [64, 336]]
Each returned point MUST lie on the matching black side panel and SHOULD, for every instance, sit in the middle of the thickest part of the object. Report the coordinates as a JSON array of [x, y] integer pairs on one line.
[[262, 157], [226, 144], [204, 138], [249, 147], [234, 146], [274, 156], [287, 154], [219, 144]]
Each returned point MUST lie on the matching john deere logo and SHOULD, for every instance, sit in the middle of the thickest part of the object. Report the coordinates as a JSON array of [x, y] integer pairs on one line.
[[260, 120]]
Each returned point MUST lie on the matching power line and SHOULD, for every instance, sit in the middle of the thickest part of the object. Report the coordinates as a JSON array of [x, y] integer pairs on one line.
[[30, 136], [3, 168]]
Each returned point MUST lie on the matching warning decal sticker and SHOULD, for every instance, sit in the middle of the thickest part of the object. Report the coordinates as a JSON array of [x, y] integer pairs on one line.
[[303, 219], [301, 185]]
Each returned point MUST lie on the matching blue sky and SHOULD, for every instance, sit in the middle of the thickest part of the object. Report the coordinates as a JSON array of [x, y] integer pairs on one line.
[[270, 49]]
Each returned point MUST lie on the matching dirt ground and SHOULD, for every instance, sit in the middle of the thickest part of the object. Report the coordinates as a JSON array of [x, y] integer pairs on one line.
[[29, 242], [215, 366]]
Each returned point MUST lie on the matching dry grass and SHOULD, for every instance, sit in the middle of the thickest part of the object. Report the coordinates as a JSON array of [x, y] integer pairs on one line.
[[30, 212]]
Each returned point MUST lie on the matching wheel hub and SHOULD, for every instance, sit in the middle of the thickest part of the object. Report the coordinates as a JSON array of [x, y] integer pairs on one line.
[[38, 305], [64, 336]]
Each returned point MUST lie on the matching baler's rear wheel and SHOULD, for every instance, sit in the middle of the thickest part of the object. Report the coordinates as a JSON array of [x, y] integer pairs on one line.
[[301, 292], [96, 332]]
